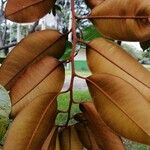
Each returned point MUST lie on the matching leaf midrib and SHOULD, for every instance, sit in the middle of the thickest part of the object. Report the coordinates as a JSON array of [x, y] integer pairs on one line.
[[23, 8], [117, 105], [30, 62], [40, 122], [37, 84], [117, 66]]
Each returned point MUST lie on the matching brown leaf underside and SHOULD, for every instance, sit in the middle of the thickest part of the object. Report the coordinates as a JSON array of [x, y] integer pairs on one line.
[[106, 57], [48, 42], [105, 137], [93, 3], [32, 125], [20, 11], [69, 139], [123, 29], [46, 76], [121, 106], [86, 136], [50, 142]]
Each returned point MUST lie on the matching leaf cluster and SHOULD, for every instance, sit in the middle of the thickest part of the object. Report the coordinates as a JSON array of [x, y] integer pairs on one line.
[[119, 84]]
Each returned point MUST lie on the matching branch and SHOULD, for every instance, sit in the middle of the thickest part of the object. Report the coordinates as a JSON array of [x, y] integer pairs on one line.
[[33, 28], [74, 41], [8, 46]]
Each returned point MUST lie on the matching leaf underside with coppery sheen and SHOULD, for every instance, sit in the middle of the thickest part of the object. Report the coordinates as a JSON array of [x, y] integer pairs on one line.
[[69, 139], [104, 56], [123, 29], [93, 3], [86, 136], [32, 125], [121, 106], [27, 11], [28, 51], [45, 76], [51, 143], [105, 137]]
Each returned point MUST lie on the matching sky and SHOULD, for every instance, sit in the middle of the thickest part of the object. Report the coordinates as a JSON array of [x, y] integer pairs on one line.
[[134, 44]]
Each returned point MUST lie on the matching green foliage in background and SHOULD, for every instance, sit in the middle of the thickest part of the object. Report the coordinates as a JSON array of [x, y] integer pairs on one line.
[[4, 111], [63, 103]]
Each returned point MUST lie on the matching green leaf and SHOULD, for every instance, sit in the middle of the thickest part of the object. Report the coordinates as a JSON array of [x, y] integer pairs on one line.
[[68, 50], [58, 8], [90, 33]]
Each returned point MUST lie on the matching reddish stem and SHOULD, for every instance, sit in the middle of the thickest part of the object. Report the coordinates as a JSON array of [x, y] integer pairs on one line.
[[74, 41], [73, 54]]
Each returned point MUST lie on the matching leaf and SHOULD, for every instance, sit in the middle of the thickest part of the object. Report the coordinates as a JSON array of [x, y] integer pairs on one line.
[[69, 139], [45, 76], [90, 33], [58, 8], [105, 137], [145, 45], [28, 51], [123, 29], [32, 125], [52, 143], [67, 52], [121, 106], [106, 57], [93, 3], [57, 143], [86, 136], [29, 11]]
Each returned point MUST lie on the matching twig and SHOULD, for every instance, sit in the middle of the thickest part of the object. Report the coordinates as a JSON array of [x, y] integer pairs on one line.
[[33, 28], [8, 46]]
